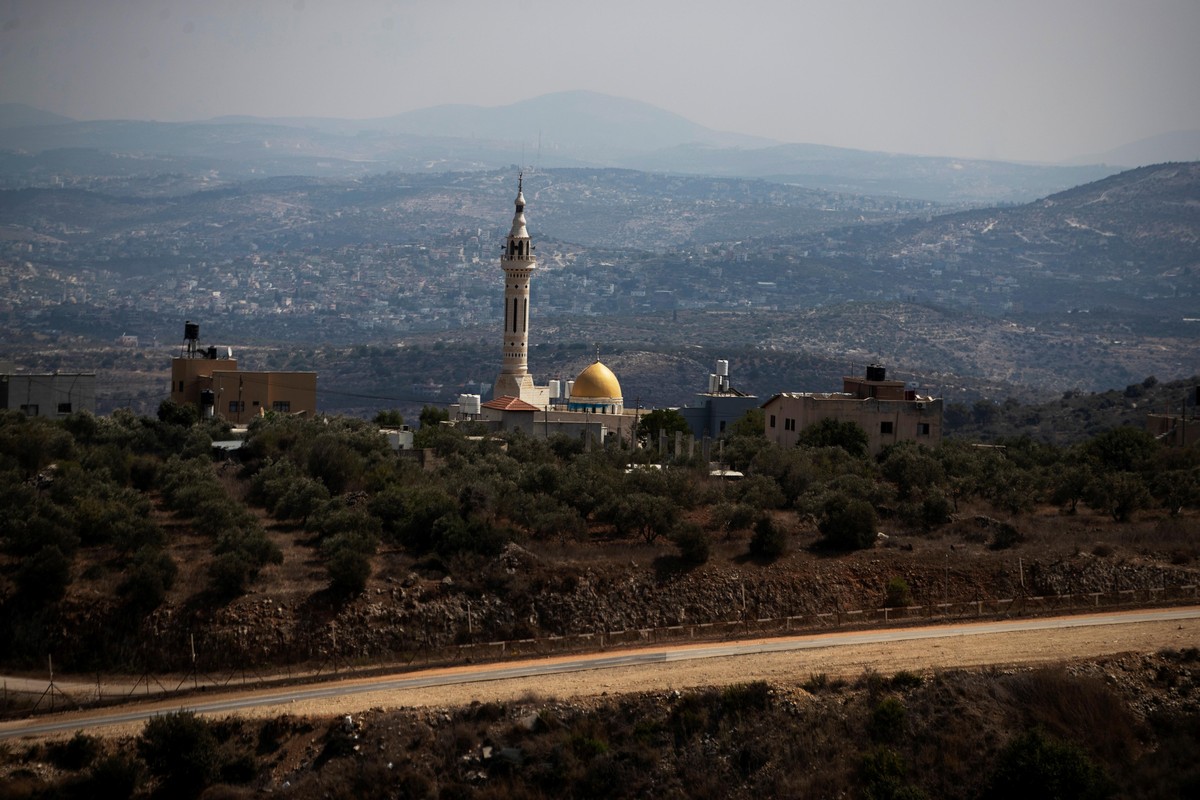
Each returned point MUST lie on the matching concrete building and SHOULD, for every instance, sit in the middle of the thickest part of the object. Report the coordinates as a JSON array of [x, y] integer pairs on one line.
[[888, 411], [210, 378], [514, 414], [719, 407], [1177, 430], [53, 395]]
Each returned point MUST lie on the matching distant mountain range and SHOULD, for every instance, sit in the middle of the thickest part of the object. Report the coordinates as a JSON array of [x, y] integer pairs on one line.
[[566, 129], [1176, 146]]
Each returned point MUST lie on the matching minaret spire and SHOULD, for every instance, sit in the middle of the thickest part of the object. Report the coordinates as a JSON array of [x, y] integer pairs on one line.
[[519, 264]]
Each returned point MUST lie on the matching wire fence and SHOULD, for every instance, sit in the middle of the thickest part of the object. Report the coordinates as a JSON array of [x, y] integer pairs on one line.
[[325, 662]]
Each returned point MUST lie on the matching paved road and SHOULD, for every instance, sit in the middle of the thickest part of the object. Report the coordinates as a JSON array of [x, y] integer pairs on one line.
[[530, 669]]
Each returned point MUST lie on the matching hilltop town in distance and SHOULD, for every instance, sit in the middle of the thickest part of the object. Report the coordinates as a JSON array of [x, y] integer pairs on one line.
[[1087, 290]]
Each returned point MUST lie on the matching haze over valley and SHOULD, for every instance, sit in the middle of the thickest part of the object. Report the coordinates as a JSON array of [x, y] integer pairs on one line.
[[841, 201]]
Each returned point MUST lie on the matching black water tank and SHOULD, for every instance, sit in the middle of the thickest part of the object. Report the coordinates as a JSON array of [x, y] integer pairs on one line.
[[191, 331], [212, 353], [876, 372]]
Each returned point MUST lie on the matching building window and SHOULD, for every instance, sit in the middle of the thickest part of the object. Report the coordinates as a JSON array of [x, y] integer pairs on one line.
[[181, 386], [237, 406], [64, 408], [885, 427], [722, 426], [30, 410], [789, 424], [282, 405], [772, 420], [922, 429]]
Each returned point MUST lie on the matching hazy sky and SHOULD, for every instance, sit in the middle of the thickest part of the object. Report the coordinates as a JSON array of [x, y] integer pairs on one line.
[[1041, 80]]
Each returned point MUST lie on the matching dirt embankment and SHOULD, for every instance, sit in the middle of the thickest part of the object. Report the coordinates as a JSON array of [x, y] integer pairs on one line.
[[521, 595]]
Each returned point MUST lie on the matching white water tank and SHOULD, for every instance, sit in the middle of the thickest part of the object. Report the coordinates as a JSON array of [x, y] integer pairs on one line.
[[555, 389], [468, 403], [723, 368]]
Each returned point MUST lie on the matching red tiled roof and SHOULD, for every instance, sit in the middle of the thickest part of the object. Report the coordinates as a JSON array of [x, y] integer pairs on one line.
[[510, 404]]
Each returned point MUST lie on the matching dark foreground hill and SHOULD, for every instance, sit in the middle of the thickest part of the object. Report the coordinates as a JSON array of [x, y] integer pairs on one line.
[[1126, 726]]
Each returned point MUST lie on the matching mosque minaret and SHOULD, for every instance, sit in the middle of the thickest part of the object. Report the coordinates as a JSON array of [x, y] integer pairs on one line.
[[519, 264], [592, 402]]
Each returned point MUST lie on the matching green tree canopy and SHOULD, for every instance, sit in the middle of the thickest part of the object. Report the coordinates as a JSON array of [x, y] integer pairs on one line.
[[831, 432], [1123, 449], [660, 420], [389, 418], [431, 416], [848, 523], [752, 423]]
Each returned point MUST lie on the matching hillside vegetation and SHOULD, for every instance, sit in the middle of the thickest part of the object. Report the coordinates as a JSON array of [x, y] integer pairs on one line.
[[126, 538]]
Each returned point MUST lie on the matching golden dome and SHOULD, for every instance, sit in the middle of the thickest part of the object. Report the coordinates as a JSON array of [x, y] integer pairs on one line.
[[597, 381]]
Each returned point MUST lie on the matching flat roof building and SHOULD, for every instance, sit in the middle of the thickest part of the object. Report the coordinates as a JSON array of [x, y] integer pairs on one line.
[[52, 395], [210, 378], [886, 410]]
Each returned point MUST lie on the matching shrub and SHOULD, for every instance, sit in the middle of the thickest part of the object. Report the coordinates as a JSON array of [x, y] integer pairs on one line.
[[742, 699], [1005, 536], [76, 753], [693, 543], [44, 576], [821, 682], [731, 517], [883, 772], [230, 573], [114, 777], [769, 540], [148, 581], [181, 750], [1035, 766], [936, 509], [1120, 494], [887, 720], [848, 524], [897, 594], [905, 679], [454, 535], [348, 562]]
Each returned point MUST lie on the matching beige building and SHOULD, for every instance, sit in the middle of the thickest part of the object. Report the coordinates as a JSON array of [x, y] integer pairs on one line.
[[513, 414], [887, 410], [201, 377], [1174, 430]]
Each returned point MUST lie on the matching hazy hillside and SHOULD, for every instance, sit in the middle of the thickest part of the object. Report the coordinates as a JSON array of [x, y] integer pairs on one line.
[[19, 115], [942, 180], [566, 122], [1130, 243], [566, 129], [1176, 146]]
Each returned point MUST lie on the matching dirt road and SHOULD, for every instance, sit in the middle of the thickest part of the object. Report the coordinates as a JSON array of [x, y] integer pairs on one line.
[[845, 654]]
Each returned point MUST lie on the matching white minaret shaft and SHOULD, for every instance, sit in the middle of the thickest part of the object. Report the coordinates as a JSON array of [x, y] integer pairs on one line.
[[519, 265]]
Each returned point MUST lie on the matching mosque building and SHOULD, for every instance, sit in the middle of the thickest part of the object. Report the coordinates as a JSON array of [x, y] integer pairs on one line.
[[591, 403]]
